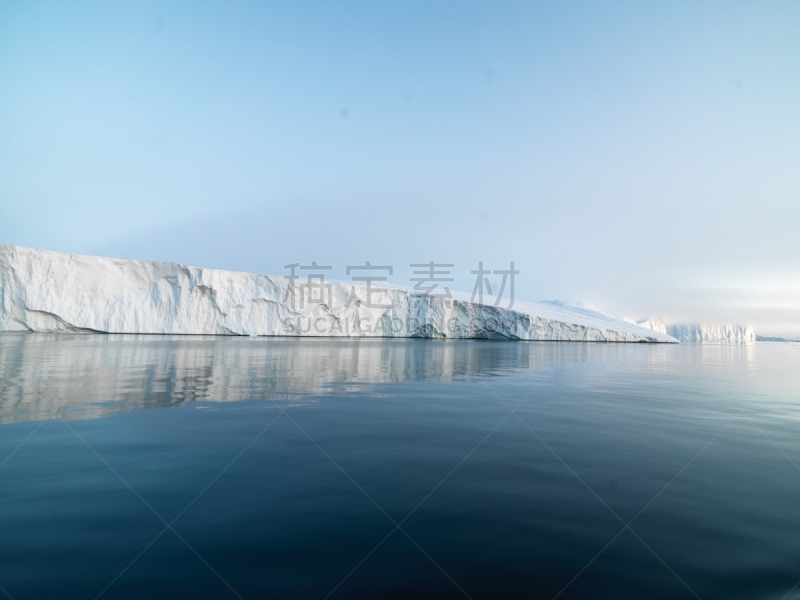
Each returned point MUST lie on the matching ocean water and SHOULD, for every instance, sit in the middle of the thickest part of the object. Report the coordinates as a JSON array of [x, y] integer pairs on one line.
[[200, 467]]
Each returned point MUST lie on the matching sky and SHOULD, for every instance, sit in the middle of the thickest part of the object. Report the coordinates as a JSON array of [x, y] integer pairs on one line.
[[640, 158]]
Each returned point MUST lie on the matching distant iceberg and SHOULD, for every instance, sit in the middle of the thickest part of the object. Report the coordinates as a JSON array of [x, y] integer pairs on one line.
[[658, 325], [713, 333], [44, 291]]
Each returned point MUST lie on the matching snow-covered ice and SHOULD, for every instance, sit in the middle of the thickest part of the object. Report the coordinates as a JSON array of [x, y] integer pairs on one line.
[[702, 333], [713, 333], [45, 291]]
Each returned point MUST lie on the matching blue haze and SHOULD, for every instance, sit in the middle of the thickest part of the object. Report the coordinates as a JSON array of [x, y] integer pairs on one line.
[[511, 131]]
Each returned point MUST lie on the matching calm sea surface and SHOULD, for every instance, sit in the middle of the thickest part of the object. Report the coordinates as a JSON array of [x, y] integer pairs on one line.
[[199, 467]]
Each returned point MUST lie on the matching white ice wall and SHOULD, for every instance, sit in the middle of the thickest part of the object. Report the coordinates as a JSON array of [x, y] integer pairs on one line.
[[51, 291], [713, 333]]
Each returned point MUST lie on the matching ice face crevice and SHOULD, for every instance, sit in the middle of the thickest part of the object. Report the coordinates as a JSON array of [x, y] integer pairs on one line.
[[45, 291]]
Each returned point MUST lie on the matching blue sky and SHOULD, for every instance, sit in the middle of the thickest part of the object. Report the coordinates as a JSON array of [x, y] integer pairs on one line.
[[638, 157]]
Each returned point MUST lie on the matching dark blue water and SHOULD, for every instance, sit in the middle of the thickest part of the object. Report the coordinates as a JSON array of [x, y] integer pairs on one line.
[[157, 467]]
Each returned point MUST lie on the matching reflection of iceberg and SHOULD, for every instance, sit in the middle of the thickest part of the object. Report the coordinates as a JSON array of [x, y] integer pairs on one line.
[[84, 376], [88, 376], [52, 291]]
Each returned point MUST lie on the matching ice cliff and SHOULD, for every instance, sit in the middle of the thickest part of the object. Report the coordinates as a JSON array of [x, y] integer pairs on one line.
[[655, 324], [713, 333], [46, 291], [707, 333]]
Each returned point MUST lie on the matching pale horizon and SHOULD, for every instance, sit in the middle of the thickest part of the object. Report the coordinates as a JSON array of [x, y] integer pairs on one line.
[[638, 159]]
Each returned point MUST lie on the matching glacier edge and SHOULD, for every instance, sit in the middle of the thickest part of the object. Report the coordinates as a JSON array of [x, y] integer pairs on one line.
[[46, 291]]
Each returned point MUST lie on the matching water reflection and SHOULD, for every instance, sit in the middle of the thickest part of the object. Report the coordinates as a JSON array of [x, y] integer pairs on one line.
[[88, 376], [75, 376]]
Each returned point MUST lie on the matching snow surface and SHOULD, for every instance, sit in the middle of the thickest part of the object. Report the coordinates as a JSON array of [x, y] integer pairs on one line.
[[46, 291]]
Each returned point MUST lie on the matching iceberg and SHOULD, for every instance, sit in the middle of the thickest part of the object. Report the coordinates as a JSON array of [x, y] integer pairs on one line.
[[656, 324], [713, 333], [46, 291], [702, 333]]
